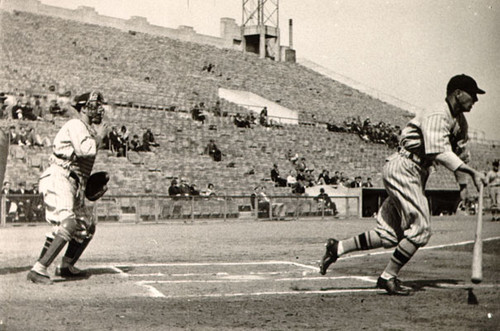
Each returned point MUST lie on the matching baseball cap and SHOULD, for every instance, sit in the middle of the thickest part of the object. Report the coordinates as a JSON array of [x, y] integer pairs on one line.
[[464, 83], [86, 98]]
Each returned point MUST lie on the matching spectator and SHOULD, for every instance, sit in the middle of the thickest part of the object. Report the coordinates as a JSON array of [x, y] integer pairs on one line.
[[241, 122], [17, 110], [198, 113], [114, 141], [368, 182], [292, 157], [264, 203], [209, 191], [173, 189], [35, 139], [275, 177], [23, 137], [34, 209], [193, 190], [217, 109], [184, 187], [124, 136], [135, 144], [3, 106], [327, 202], [213, 151], [291, 180], [357, 182], [263, 117], [6, 191], [13, 135], [324, 178], [301, 166], [55, 109], [309, 177], [148, 139], [335, 180], [493, 178]]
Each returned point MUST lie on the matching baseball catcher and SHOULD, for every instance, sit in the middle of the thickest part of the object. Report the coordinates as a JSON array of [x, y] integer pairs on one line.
[[66, 183]]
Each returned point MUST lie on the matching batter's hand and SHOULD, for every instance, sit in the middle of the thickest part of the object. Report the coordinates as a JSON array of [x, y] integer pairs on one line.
[[479, 179]]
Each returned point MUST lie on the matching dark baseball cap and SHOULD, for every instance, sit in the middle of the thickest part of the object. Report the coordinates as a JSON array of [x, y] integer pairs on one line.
[[464, 83]]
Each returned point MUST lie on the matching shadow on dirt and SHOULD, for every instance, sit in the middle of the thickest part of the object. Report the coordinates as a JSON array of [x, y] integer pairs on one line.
[[14, 270], [88, 273], [420, 285]]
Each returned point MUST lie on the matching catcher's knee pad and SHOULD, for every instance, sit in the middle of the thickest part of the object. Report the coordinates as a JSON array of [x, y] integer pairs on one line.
[[68, 228]]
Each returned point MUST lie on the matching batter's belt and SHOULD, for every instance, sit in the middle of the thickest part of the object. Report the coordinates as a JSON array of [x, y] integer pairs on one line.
[[421, 161]]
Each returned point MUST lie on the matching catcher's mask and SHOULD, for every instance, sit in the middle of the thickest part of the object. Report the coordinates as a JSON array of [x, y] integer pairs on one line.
[[93, 102]]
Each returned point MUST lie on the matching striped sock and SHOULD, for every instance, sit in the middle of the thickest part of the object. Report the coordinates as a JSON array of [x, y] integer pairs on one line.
[[364, 241], [46, 245], [403, 253]]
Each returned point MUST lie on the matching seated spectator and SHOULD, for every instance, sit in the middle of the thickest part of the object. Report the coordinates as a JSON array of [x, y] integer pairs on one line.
[[324, 178], [291, 180], [213, 151], [34, 139], [217, 109], [290, 156], [263, 202], [184, 187], [309, 177], [114, 141], [193, 190], [173, 189], [368, 182], [55, 109], [135, 144], [198, 113], [17, 110], [124, 135], [241, 122], [357, 182], [301, 166], [209, 191], [299, 187], [13, 135], [148, 140], [324, 199], [275, 177], [3, 106], [335, 180], [263, 120]]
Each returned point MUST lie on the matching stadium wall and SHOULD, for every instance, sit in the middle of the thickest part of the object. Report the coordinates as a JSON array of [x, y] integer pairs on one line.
[[230, 31]]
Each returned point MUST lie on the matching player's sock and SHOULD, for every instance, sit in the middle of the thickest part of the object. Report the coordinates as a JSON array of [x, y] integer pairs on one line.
[[52, 251], [40, 268], [366, 240], [403, 253], [46, 245]]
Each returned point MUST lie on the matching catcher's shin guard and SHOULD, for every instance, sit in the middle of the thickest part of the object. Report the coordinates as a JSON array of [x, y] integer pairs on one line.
[[75, 248]]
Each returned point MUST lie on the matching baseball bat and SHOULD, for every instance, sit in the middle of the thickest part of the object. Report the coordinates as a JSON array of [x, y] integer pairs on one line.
[[477, 252]]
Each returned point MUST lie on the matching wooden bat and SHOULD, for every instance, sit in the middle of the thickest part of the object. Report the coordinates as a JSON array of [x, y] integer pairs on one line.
[[477, 252]]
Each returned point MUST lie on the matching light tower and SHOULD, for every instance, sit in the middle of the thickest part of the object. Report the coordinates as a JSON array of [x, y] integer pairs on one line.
[[260, 28]]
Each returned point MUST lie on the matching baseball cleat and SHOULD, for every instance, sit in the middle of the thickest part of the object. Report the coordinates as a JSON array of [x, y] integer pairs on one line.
[[70, 272], [330, 255], [37, 278], [392, 286]]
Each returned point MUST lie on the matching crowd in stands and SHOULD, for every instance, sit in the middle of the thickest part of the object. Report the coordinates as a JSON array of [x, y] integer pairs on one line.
[[26, 136], [186, 189], [23, 204], [302, 176], [119, 142], [380, 133]]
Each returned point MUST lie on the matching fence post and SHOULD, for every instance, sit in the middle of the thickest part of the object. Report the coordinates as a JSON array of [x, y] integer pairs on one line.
[[156, 208], [347, 206], [137, 211], [192, 208], [3, 210], [225, 206]]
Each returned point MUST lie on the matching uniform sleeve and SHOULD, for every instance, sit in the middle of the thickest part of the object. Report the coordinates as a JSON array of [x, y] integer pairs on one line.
[[436, 135], [83, 143]]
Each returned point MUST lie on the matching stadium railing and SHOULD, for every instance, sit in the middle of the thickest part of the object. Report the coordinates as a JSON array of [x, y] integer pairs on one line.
[[151, 208]]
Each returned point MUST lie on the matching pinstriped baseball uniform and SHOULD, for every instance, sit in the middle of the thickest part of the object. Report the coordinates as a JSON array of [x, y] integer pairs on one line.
[[63, 183], [431, 138]]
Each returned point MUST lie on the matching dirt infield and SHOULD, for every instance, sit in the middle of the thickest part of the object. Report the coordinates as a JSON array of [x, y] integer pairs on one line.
[[239, 275]]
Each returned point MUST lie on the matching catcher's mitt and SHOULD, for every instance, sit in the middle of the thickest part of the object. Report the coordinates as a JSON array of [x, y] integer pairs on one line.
[[96, 185]]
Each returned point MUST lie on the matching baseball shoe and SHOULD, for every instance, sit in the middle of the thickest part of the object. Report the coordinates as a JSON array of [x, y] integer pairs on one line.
[[392, 286], [37, 278], [330, 255], [70, 272]]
